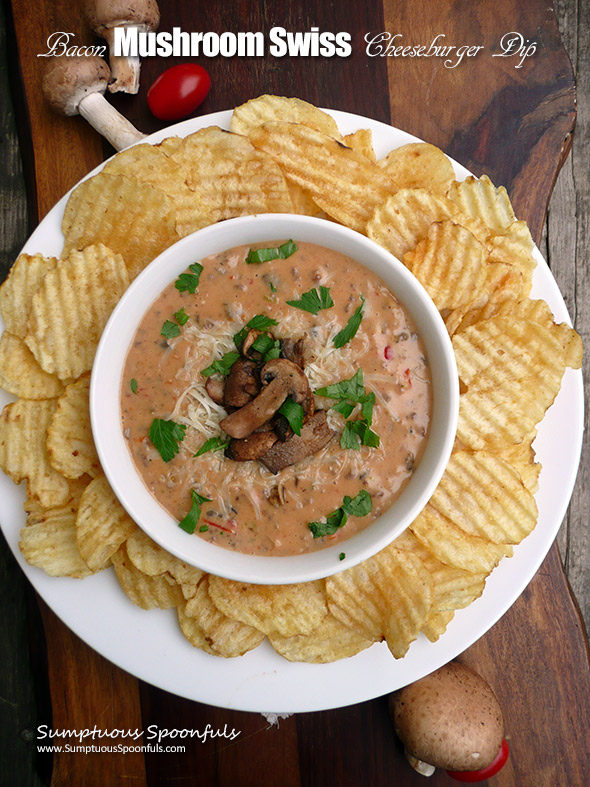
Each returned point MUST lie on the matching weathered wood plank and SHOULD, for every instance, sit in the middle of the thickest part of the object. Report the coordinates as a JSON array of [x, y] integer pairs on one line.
[[568, 237], [21, 696]]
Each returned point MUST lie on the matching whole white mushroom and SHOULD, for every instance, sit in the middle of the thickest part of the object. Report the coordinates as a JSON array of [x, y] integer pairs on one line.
[[76, 86], [104, 17]]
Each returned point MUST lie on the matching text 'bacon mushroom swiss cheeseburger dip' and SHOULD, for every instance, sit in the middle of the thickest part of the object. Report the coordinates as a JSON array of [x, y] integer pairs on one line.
[[279, 387]]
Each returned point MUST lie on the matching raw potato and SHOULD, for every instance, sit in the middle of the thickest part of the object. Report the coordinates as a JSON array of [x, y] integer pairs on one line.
[[23, 451], [102, 524], [286, 609], [69, 437], [71, 308], [21, 375]]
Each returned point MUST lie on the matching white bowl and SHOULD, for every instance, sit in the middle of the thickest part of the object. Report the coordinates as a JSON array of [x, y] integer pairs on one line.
[[105, 407]]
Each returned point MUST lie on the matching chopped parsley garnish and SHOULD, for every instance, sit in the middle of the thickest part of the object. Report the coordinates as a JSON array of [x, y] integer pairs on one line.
[[267, 346], [133, 385], [221, 365], [256, 256], [334, 522], [341, 556], [314, 300], [181, 317], [272, 287], [349, 331], [203, 528], [357, 433], [260, 322], [189, 523], [360, 505], [294, 414], [350, 393], [170, 330], [352, 389], [212, 444], [166, 437], [188, 282]]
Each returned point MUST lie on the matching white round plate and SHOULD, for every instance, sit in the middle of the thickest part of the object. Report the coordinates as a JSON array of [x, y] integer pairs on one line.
[[149, 644]]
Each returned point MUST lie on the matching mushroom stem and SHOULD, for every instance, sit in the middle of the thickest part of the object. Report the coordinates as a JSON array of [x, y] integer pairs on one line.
[[421, 767], [107, 121], [124, 69]]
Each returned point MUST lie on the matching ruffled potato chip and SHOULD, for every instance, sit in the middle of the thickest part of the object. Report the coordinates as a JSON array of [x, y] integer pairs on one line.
[[484, 496], [71, 308], [224, 636], [286, 609], [144, 591], [16, 293], [49, 543], [133, 218], [330, 641], [480, 199], [342, 182], [21, 375], [400, 222], [102, 524], [69, 437], [450, 263], [419, 165], [387, 597], [23, 450], [266, 108], [453, 546], [362, 142], [231, 177], [151, 559]]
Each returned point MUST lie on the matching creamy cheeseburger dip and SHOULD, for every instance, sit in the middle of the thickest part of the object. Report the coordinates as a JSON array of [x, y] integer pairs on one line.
[[347, 336]]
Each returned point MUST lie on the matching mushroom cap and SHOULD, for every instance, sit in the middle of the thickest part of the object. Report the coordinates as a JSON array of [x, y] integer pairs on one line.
[[450, 719], [67, 80], [105, 14]]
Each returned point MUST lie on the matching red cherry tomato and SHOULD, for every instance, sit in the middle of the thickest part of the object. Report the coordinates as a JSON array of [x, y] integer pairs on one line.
[[484, 773], [178, 91]]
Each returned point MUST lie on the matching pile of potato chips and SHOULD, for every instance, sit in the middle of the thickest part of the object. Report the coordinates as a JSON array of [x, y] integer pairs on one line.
[[460, 239]]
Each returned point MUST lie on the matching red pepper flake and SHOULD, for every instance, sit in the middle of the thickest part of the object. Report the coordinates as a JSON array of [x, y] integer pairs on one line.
[[221, 527], [408, 378], [388, 353]]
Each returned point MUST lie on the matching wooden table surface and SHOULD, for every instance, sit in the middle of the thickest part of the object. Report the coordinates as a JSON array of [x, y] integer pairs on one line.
[[515, 125]]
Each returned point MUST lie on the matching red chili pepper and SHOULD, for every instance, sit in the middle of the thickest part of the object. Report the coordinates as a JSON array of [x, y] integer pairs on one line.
[[221, 527], [388, 353], [408, 378]]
